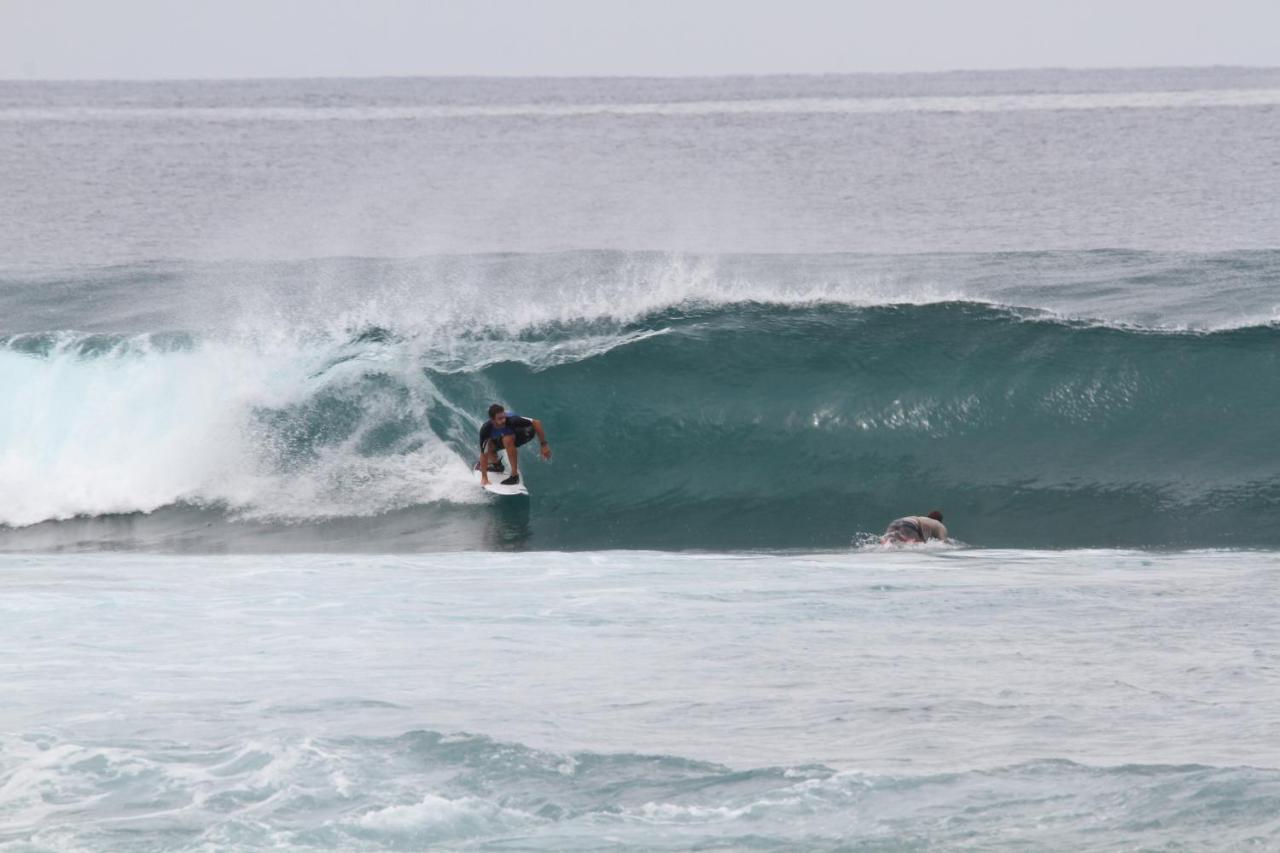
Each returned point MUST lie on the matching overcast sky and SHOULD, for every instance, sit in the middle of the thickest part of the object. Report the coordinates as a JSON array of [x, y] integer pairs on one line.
[[147, 39]]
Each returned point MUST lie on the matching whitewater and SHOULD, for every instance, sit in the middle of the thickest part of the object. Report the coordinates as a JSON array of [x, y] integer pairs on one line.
[[250, 597]]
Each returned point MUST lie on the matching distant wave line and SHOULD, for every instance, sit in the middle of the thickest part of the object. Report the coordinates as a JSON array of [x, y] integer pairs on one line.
[[775, 106]]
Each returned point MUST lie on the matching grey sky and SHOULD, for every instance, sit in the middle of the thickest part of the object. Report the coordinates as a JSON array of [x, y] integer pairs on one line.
[[144, 39]]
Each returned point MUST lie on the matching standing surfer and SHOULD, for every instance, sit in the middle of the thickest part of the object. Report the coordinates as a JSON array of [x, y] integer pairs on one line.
[[506, 431]]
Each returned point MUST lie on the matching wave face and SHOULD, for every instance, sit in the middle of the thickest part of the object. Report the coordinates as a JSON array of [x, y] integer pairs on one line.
[[681, 417]]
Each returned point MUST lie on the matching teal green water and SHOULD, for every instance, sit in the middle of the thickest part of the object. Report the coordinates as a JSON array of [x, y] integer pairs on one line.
[[762, 426], [745, 425]]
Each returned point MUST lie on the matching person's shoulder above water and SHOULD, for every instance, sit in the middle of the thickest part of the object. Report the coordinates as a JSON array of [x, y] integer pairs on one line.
[[915, 529], [933, 526]]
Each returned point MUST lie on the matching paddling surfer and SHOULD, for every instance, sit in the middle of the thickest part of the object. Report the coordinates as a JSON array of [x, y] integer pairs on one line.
[[506, 431], [915, 529]]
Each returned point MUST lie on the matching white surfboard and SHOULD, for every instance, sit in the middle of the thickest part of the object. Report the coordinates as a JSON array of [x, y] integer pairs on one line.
[[495, 479]]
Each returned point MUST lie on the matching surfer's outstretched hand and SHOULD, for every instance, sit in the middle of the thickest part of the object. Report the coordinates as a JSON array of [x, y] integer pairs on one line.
[[546, 451]]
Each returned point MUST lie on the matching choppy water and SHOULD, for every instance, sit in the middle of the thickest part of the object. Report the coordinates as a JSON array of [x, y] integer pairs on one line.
[[248, 331], [1087, 700]]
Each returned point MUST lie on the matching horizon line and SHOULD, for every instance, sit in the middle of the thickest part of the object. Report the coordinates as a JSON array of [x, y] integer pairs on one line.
[[655, 76]]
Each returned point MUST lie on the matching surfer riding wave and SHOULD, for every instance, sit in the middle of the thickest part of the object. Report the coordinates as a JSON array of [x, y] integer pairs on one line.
[[507, 431]]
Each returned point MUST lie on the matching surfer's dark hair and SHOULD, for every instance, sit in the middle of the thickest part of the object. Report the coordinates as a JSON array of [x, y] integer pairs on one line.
[[496, 409], [935, 514]]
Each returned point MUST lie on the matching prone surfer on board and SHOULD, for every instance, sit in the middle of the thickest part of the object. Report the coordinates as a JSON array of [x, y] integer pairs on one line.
[[506, 431], [915, 529]]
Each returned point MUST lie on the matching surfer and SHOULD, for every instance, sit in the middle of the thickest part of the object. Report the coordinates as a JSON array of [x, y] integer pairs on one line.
[[914, 529], [506, 431]]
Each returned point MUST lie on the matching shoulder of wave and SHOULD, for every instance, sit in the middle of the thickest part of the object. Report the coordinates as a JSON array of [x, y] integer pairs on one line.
[[1078, 321], [1048, 316], [703, 304]]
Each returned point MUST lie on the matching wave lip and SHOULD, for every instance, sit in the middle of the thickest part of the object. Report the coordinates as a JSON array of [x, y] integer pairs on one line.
[[446, 300]]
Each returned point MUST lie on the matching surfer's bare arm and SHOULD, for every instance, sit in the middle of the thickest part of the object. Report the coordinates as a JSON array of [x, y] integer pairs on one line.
[[542, 438]]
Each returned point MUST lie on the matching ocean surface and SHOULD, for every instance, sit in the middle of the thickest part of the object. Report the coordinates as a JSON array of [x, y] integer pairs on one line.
[[251, 598]]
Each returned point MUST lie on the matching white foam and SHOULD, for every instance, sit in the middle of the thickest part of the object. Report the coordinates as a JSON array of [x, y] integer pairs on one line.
[[141, 427], [457, 819], [447, 309], [1196, 98]]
